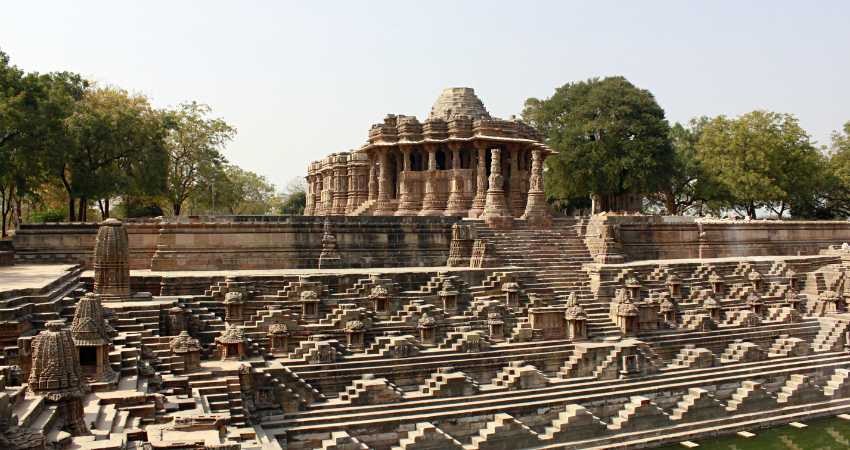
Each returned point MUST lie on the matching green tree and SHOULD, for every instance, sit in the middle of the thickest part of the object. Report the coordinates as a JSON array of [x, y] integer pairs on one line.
[[33, 108], [194, 147], [836, 195], [12, 100], [762, 160], [688, 188], [294, 200], [112, 135], [232, 190], [611, 136]]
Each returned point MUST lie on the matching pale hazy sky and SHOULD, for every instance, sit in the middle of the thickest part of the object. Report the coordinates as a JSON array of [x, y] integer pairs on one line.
[[301, 80]]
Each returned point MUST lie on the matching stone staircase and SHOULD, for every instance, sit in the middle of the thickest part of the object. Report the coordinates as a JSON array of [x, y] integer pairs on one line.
[[831, 335], [220, 394], [371, 391], [692, 357], [555, 256], [739, 351], [788, 346], [639, 413], [518, 375], [394, 346], [447, 383]]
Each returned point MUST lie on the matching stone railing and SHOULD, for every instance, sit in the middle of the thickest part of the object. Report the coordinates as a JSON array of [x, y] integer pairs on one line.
[[615, 238]]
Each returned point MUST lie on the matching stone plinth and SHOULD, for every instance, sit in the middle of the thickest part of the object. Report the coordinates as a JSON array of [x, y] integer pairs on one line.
[[550, 321]]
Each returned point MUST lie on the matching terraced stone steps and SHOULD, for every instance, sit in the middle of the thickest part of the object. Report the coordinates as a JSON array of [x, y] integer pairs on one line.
[[574, 392]]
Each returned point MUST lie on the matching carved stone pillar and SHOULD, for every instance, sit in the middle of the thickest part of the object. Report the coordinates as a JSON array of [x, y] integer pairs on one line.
[[536, 212], [408, 204], [460, 249], [358, 173], [383, 207], [351, 183], [480, 181], [328, 191], [310, 202], [373, 179], [496, 209], [319, 195], [340, 180], [431, 205], [329, 258], [456, 204]]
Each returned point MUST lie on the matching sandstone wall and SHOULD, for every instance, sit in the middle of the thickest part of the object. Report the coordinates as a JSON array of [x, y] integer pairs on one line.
[[74, 243], [295, 243], [276, 242], [637, 238]]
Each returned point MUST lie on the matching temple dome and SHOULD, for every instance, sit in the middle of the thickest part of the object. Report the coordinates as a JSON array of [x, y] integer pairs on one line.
[[459, 101]]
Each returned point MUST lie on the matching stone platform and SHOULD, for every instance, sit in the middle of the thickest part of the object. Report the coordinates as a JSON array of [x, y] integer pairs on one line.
[[31, 276]]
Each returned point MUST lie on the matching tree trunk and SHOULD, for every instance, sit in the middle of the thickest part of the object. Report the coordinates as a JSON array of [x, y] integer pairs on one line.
[[81, 213], [5, 207], [175, 208], [670, 204], [71, 215], [18, 216], [71, 210], [751, 211], [103, 206]]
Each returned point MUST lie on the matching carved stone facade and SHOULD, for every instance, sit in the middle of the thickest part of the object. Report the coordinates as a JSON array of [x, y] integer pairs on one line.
[[92, 339], [56, 375], [112, 260], [439, 167]]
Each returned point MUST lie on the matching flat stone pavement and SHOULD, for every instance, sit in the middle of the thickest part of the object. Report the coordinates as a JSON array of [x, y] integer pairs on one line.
[[281, 272], [31, 276]]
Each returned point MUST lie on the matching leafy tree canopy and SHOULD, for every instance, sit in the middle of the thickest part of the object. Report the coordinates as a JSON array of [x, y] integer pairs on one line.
[[611, 136], [194, 147], [761, 160]]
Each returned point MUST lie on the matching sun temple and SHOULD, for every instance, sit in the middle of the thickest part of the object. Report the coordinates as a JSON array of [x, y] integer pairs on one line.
[[430, 300], [454, 163]]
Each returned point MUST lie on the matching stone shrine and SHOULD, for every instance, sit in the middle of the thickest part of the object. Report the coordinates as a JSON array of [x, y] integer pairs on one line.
[[443, 166]]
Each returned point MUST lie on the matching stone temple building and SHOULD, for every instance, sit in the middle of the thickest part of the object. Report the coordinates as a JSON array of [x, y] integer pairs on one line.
[[438, 167]]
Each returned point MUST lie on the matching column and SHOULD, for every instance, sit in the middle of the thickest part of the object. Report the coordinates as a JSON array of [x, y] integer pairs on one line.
[[481, 181], [340, 176], [455, 205], [319, 208], [430, 202], [351, 179], [357, 190], [329, 191], [407, 201], [536, 211], [383, 207], [496, 207], [310, 205], [373, 179]]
